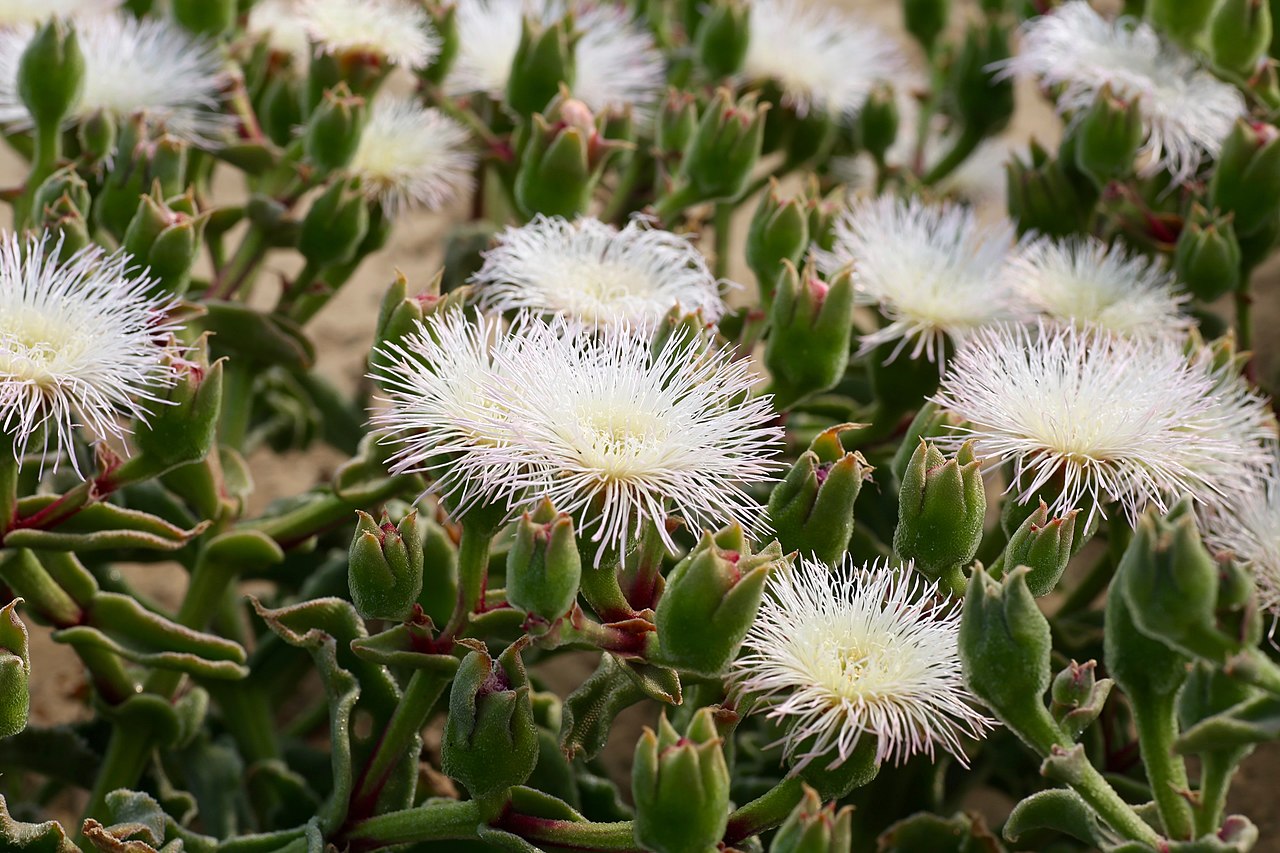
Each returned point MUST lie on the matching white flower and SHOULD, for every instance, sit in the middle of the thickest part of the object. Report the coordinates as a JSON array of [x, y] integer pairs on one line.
[[279, 24], [1100, 417], [841, 653], [619, 436], [933, 270], [398, 31], [1249, 527], [824, 58], [14, 12], [80, 345], [1186, 111], [1086, 283], [412, 156], [149, 66], [591, 271], [616, 62]]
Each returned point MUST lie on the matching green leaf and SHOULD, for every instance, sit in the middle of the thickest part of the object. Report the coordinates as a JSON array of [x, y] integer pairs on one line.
[[47, 837], [1060, 810], [1255, 720], [257, 337], [98, 527]]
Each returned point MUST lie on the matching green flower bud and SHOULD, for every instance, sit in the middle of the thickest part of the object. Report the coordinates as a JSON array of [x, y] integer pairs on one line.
[[1004, 650], [941, 507], [444, 20], [878, 121], [333, 132], [561, 161], [926, 20], [96, 135], [15, 671], [711, 599], [724, 148], [490, 739], [279, 107], [167, 164], [1078, 697], [1044, 546], [1246, 179], [544, 61], [685, 327], [63, 182], [184, 428], [166, 240], [335, 225], [982, 101], [779, 232], [722, 38], [681, 787], [51, 74], [543, 565], [385, 568], [1207, 258], [675, 124], [1240, 35], [1183, 21], [210, 18], [811, 509], [1108, 137], [1044, 198], [811, 324], [66, 223], [814, 828]]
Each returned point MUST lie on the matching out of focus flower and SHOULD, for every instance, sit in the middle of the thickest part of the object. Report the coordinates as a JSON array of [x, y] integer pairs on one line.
[[1248, 527], [398, 31], [839, 653], [412, 156], [80, 345], [594, 272], [1186, 111], [38, 11], [278, 23]]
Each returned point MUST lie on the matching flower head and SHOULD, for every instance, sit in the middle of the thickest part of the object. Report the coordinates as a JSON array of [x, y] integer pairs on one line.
[[841, 653], [80, 345], [1248, 526], [15, 12], [1186, 111], [591, 271], [1086, 283], [398, 31], [278, 23], [149, 66], [1133, 421], [823, 58], [410, 156], [933, 270], [617, 64], [620, 436]]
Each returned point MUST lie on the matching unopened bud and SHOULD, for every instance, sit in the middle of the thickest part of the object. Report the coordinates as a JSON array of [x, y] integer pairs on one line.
[[723, 37], [15, 671], [811, 325], [925, 20], [1208, 258], [878, 122], [183, 429], [941, 507], [51, 74], [1246, 178], [1240, 34], [779, 233], [333, 132], [335, 226], [725, 147], [815, 828], [1108, 137], [1044, 545], [543, 565], [811, 509], [1078, 697], [385, 569], [544, 62], [681, 787], [210, 18]]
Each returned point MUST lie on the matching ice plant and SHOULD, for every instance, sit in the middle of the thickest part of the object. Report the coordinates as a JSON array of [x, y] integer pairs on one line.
[[823, 58], [278, 23], [1248, 528], [617, 64], [842, 653], [618, 435], [412, 156], [37, 11], [132, 65], [1089, 284], [1133, 421], [932, 270], [1186, 110], [592, 271], [397, 31], [81, 346]]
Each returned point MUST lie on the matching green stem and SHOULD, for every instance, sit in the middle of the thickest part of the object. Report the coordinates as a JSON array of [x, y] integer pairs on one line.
[[573, 835], [673, 203], [1244, 318], [620, 203], [297, 301], [601, 589], [248, 256], [766, 811], [411, 713], [723, 238], [9, 473], [1089, 587], [960, 151], [48, 150], [1216, 770], [1117, 814], [126, 758], [1156, 719], [248, 717], [437, 820], [473, 575]]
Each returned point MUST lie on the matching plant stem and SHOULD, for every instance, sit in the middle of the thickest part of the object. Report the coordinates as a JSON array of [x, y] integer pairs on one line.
[[237, 403], [1216, 770], [1155, 716], [574, 835], [242, 265], [1118, 814], [126, 757], [411, 713], [1244, 318], [959, 152], [9, 472], [48, 149], [766, 811], [673, 203], [473, 576], [723, 238], [619, 205], [437, 820]]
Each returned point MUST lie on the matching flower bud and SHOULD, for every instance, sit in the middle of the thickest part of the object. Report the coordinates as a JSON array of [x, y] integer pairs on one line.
[[209, 18], [1246, 179], [1044, 546], [722, 38], [878, 121], [1043, 198], [941, 507], [925, 20], [543, 565], [811, 509], [490, 739], [51, 74], [1078, 697], [165, 239], [333, 132], [1208, 258], [335, 225], [184, 428], [1240, 35], [822, 214], [811, 324], [279, 107], [561, 161], [15, 671], [544, 61], [676, 122], [982, 99], [681, 787], [724, 148], [710, 601], [63, 182], [385, 569], [66, 223], [814, 828], [1108, 137], [779, 232], [96, 136], [1183, 21]]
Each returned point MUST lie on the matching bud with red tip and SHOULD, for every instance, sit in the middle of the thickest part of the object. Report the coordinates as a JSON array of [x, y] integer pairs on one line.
[[811, 509], [561, 161], [544, 567], [811, 325], [1246, 178], [385, 569], [681, 787], [941, 507]]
